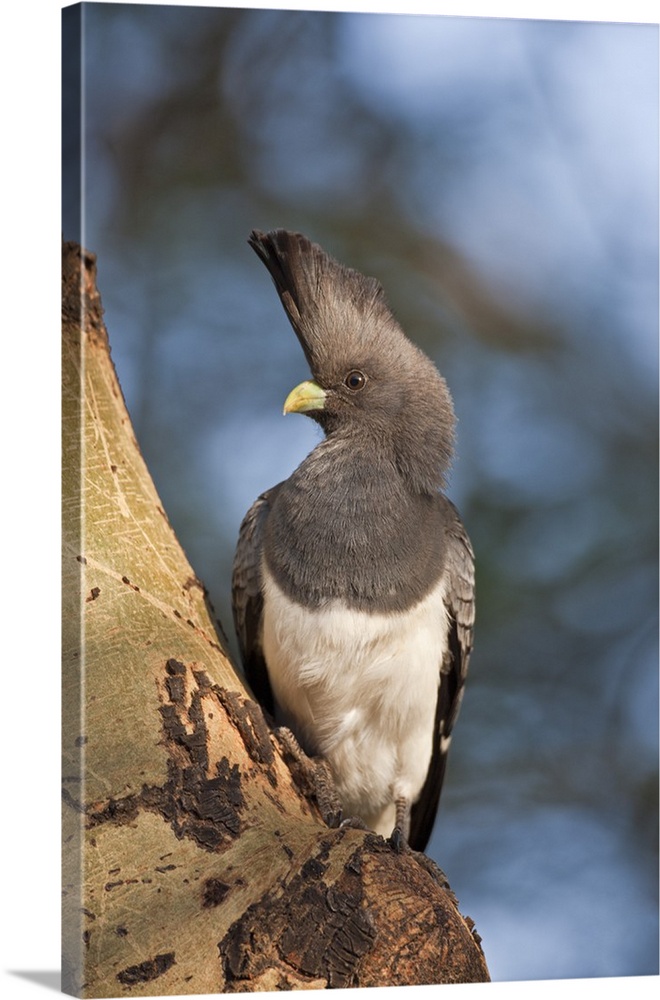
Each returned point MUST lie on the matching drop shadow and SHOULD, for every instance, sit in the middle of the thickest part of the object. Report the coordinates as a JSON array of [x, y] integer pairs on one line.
[[49, 979]]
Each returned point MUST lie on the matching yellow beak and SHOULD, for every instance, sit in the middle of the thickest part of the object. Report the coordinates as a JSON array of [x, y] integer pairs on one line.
[[305, 397]]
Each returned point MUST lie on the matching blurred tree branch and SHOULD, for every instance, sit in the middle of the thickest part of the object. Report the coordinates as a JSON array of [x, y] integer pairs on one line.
[[193, 862]]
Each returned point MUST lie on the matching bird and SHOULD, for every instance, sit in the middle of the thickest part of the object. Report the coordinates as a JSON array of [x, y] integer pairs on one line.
[[353, 579]]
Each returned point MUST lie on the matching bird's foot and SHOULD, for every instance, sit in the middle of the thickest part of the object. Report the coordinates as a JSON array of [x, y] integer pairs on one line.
[[397, 841], [354, 823], [313, 775], [434, 870]]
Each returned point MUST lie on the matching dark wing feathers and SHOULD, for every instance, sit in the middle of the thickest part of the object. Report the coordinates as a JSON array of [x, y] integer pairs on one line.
[[247, 599], [459, 601]]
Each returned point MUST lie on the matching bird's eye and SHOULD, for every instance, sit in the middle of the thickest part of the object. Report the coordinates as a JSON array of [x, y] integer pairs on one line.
[[355, 380]]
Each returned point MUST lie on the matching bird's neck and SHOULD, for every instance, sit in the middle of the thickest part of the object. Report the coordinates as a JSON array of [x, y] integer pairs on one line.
[[343, 467], [348, 510], [413, 472]]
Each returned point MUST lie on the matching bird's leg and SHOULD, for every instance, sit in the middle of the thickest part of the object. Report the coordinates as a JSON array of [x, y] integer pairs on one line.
[[313, 774], [399, 835], [399, 841]]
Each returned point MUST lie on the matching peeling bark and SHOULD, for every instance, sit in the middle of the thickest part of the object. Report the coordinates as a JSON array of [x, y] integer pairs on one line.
[[195, 858]]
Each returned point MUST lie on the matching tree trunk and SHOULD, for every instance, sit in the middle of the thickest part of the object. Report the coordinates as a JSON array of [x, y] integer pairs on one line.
[[195, 859]]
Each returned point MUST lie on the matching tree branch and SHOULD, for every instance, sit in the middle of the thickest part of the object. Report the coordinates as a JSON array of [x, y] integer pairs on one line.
[[193, 862]]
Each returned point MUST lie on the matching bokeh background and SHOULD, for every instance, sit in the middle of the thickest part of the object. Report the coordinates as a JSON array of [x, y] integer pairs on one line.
[[500, 177]]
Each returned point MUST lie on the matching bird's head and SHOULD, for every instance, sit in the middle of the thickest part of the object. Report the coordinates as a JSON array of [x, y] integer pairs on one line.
[[370, 382]]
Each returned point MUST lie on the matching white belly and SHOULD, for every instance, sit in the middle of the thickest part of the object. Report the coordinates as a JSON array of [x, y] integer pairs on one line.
[[360, 690]]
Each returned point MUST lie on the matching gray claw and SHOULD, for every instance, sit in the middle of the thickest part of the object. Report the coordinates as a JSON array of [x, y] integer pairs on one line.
[[397, 841], [354, 823]]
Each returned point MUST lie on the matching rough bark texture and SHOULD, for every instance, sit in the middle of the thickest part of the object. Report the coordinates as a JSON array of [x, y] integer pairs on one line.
[[192, 861]]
